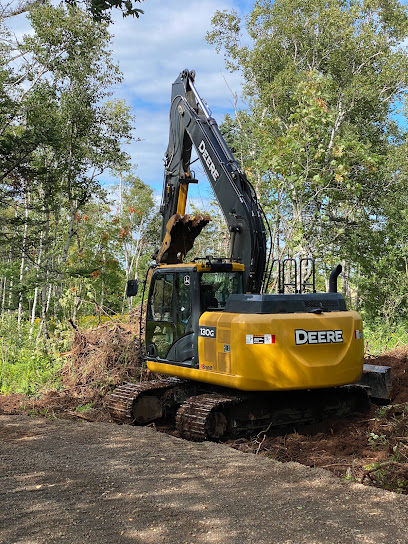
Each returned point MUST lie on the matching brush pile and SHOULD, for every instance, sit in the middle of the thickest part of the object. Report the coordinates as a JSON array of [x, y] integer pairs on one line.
[[99, 360], [102, 358]]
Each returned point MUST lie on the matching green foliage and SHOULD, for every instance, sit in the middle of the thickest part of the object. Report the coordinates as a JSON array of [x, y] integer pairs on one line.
[[26, 364], [375, 439], [139, 230], [59, 131], [319, 139], [63, 243], [94, 277], [84, 407], [100, 10], [381, 336]]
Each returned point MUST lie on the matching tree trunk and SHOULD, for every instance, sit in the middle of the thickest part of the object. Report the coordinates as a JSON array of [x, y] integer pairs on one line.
[[23, 256], [44, 293], [3, 294]]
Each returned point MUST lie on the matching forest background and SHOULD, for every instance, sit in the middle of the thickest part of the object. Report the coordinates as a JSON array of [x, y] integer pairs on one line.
[[322, 136]]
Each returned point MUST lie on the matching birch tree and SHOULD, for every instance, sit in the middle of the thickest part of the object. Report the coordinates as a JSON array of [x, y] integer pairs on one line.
[[322, 82]]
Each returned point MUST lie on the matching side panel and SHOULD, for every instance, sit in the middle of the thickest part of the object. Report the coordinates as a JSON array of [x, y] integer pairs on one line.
[[264, 352]]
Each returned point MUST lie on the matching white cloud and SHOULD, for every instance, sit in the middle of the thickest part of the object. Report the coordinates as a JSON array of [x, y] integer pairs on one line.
[[152, 51], [166, 39]]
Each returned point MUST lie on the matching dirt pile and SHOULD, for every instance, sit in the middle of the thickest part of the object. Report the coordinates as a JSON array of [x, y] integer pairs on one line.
[[372, 448], [397, 359]]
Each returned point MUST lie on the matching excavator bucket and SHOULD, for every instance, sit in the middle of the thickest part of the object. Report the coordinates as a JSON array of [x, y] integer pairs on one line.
[[377, 379], [181, 231]]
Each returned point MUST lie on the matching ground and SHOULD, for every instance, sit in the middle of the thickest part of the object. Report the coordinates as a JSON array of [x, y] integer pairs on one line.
[[72, 482]]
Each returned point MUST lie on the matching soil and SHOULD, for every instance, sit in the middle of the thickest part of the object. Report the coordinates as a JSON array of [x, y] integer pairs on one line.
[[352, 447]]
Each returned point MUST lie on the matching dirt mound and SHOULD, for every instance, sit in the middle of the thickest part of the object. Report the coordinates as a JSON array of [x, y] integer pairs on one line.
[[13, 403], [371, 448], [397, 359]]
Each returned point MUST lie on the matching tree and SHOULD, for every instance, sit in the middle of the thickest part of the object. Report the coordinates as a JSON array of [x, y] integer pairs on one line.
[[61, 131], [322, 80], [94, 278], [99, 9], [139, 224]]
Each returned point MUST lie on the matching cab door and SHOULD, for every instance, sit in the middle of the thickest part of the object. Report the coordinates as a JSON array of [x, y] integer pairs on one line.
[[171, 320]]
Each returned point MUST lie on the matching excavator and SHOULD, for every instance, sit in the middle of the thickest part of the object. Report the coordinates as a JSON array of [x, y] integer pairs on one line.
[[231, 357]]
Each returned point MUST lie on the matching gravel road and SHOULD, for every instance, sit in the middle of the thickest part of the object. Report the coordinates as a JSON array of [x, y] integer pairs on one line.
[[77, 482]]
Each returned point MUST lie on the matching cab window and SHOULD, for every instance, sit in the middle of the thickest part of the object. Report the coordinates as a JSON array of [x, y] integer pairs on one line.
[[217, 287], [168, 312]]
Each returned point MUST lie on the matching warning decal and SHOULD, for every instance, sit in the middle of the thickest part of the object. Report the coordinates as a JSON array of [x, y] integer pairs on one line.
[[260, 338]]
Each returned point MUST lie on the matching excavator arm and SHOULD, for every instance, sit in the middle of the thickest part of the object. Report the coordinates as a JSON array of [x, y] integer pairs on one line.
[[191, 124]]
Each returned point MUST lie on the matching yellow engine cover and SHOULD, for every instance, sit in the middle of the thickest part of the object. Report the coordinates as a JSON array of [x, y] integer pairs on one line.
[[260, 352], [270, 352]]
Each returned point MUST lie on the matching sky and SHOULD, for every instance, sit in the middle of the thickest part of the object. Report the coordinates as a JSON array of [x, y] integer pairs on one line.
[[151, 52]]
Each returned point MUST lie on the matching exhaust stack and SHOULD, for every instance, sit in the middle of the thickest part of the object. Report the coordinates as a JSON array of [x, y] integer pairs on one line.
[[335, 273]]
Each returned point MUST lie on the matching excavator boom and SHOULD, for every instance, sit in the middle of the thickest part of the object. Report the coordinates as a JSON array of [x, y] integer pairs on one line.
[[192, 125]]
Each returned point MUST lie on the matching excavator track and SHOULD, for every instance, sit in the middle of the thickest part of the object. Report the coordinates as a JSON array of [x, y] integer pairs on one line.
[[203, 417], [213, 415], [139, 403]]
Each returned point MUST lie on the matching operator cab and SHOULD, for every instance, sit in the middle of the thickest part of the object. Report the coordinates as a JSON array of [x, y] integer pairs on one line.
[[178, 296]]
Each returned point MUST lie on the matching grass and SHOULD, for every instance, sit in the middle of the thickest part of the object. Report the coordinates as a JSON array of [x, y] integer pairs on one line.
[[27, 363], [380, 337]]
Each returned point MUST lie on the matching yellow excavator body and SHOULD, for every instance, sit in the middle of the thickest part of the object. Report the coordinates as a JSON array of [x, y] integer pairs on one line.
[[261, 352]]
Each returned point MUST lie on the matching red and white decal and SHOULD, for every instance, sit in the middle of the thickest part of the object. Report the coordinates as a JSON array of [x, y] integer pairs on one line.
[[260, 338]]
